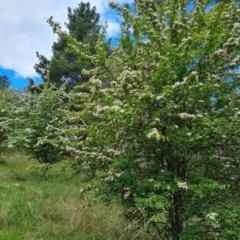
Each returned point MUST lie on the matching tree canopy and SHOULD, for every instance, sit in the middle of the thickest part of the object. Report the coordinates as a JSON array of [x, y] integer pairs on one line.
[[163, 137], [83, 25], [4, 82]]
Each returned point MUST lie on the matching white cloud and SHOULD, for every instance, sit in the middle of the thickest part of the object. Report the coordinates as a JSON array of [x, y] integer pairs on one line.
[[24, 29], [113, 28]]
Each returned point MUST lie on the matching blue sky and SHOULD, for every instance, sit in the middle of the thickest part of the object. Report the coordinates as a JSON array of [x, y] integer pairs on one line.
[[17, 80], [25, 31]]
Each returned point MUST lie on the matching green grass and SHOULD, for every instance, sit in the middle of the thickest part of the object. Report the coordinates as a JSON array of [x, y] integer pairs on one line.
[[35, 205]]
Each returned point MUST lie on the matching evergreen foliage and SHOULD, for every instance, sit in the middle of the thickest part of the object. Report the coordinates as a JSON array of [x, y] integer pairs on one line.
[[4, 82], [84, 27]]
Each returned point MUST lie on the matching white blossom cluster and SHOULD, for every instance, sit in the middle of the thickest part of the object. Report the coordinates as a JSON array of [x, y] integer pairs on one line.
[[117, 108], [176, 84], [96, 82], [182, 185], [186, 116], [154, 134], [212, 216]]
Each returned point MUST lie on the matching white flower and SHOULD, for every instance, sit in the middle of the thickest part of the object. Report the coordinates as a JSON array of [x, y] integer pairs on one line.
[[236, 25], [154, 134], [68, 148], [236, 59], [29, 130], [81, 190], [219, 51], [212, 216], [10, 145], [176, 84], [227, 165], [127, 194], [100, 109], [186, 39], [118, 174], [186, 115], [95, 82], [160, 97], [117, 108], [182, 185], [194, 73]]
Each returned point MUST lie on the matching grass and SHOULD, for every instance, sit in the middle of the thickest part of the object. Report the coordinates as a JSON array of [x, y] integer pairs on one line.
[[38, 206]]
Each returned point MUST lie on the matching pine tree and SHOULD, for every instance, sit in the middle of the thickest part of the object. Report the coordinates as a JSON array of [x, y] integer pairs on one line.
[[4, 82], [84, 27]]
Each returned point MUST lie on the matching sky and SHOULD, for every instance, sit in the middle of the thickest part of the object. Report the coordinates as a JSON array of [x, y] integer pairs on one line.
[[24, 31]]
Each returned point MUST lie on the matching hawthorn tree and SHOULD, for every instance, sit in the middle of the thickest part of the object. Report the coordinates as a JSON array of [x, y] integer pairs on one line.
[[162, 139], [35, 124], [8, 98]]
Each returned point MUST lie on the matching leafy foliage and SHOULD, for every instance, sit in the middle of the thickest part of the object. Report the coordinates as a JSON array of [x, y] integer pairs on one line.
[[8, 98], [4, 82], [35, 125], [162, 137]]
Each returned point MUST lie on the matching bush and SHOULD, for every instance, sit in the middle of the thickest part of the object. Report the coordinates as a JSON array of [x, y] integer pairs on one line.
[[36, 125], [163, 136], [8, 99]]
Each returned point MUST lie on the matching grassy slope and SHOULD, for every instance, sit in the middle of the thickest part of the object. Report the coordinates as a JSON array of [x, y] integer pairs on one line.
[[33, 206]]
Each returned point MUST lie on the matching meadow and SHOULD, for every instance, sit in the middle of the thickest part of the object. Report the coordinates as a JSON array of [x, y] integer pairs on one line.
[[36, 205]]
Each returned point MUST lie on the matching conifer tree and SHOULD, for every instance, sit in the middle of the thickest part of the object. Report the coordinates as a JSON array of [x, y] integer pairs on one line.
[[4, 82], [83, 25]]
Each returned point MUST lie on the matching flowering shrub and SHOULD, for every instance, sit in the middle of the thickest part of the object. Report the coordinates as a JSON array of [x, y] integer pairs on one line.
[[8, 98], [35, 125], [162, 118], [159, 119]]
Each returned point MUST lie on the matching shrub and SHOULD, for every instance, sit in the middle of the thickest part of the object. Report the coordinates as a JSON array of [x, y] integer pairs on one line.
[[36, 125], [8, 99]]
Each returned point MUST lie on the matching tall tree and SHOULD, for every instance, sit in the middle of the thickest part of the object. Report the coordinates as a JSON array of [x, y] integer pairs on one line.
[[163, 138], [84, 27], [4, 82]]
